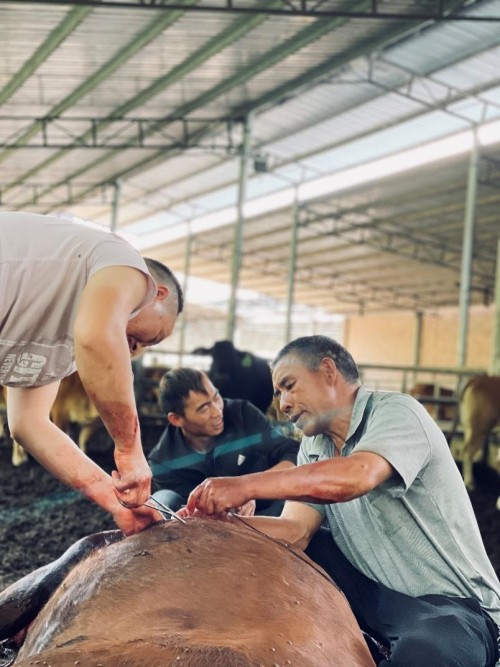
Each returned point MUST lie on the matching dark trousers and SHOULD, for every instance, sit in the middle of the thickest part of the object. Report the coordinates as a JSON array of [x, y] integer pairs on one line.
[[428, 631]]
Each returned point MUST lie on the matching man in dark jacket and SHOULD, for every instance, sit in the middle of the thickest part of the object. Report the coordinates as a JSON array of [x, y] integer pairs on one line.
[[208, 436]]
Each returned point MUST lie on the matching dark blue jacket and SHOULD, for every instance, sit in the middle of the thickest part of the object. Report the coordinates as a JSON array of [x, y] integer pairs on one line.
[[249, 443]]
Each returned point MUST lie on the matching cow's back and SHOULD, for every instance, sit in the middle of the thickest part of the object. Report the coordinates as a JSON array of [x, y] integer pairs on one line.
[[199, 594]]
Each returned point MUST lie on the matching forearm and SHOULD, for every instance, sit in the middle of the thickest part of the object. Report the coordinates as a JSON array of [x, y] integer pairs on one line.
[[106, 372], [282, 465], [56, 452], [330, 481], [327, 481]]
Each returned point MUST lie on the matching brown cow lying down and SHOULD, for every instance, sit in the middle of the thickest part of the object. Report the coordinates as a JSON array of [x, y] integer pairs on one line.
[[199, 594]]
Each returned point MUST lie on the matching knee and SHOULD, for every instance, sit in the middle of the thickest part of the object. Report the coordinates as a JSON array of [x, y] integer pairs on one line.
[[426, 646], [418, 650]]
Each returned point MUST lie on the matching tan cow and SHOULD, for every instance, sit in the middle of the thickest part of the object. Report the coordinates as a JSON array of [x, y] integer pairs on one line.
[[199, 594], [72, 406], [479, 414], [438, 401]]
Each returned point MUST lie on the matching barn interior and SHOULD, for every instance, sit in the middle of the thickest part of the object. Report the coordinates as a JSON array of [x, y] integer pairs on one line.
[[303, 167]]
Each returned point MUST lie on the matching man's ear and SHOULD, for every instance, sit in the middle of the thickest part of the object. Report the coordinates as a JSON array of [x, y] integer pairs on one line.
[[162, 293], [174, 419], [330, 368]]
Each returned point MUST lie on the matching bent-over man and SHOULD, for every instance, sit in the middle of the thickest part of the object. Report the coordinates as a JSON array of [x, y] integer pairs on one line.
[[77, 293], [403, 542], [209, 436]]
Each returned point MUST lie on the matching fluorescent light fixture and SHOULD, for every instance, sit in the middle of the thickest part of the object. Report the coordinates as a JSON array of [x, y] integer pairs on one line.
[[394, 164], [181, 230], [268, 203], [489, 133], [434, 151]]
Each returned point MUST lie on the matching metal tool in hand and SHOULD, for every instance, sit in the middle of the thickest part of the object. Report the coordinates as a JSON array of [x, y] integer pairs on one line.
[[158, 506]]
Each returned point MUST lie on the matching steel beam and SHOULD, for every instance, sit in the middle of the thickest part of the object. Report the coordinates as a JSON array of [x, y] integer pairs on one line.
[[238, 231], [187, 271], [467, 255], [434, 11], [292, 267]]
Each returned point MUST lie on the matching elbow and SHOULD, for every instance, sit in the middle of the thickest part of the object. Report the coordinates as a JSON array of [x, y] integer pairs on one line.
[[361, 483], [20, 431], [86, 340]]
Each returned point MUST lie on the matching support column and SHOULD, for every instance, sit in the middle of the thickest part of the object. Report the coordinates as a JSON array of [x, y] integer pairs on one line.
[[117, 191], [187, 271], [292, 265], [238, 230], [467, 251], [417, 346], [495, 346]]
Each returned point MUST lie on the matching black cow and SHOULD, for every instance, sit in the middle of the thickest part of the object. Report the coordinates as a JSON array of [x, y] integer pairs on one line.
[[239, 374]]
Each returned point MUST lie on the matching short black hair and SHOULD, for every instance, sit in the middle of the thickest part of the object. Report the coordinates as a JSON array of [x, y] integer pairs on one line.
[[175, 386], [164, 276], [312, 349]]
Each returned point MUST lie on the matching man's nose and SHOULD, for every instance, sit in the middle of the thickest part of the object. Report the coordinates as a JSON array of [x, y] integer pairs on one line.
[[285, 405], [217, 409]]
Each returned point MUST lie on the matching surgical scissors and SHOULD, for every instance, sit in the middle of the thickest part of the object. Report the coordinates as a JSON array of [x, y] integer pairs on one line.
[[160, 507]]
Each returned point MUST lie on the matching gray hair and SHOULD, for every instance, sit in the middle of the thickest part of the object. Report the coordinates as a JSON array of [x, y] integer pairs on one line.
[[312, 349]]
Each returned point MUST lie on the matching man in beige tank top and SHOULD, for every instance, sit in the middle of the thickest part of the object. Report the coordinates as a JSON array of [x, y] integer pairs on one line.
[[77, 296]]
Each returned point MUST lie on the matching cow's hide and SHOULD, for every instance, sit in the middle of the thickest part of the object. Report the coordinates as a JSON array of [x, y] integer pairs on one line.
[[200, 594]]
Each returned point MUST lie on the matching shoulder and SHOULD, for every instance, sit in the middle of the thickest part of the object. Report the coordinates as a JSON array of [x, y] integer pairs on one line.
[[238, 412], [397, 404], [169, 440]]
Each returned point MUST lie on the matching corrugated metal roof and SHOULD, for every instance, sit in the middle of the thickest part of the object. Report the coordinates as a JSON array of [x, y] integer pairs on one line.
[[325, 94]]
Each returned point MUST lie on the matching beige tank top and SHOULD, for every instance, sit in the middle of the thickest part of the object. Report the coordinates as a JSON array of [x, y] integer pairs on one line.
[[45, 263]]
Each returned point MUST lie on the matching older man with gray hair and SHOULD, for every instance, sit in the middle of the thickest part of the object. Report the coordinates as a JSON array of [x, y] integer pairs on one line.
[[403, 542]]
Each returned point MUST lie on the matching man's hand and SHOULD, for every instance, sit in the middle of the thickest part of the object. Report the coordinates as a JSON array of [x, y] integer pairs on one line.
[[133, 521], [217, 495], [132, 480]]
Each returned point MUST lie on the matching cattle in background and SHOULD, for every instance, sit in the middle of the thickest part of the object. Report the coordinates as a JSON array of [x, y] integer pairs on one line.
[[147, 387], [71, 408], [479, 414], [439, 403], [239, 374], [4, 429]]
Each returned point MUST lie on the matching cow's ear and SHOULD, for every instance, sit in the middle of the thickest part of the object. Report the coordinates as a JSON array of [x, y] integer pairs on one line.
[[202, 350]]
